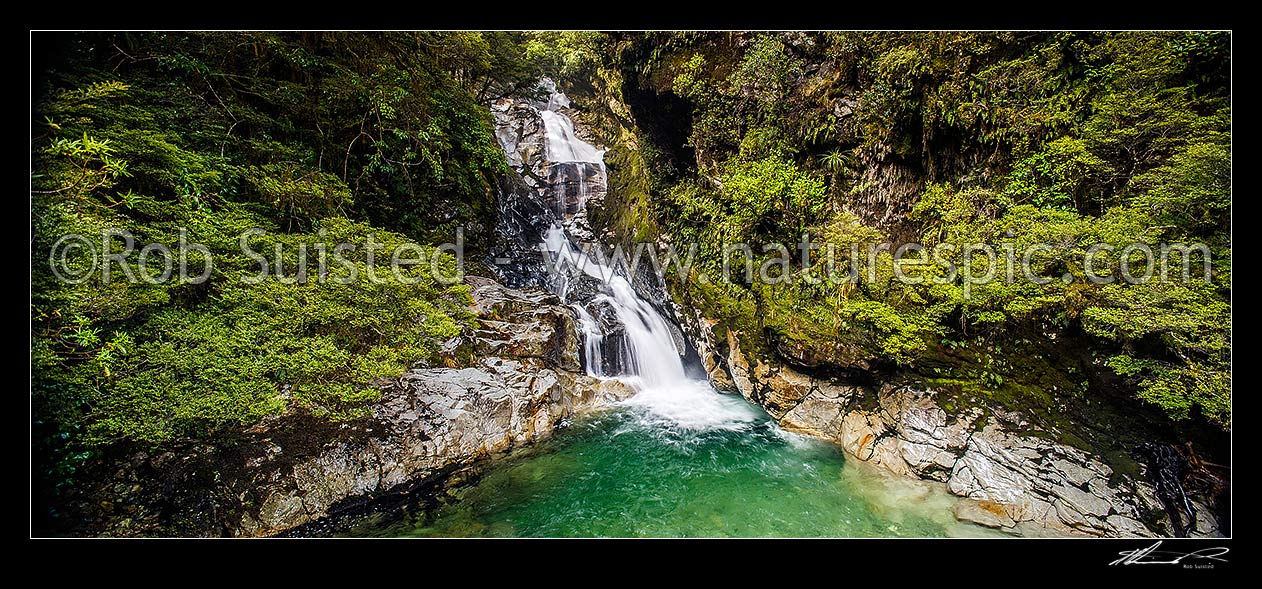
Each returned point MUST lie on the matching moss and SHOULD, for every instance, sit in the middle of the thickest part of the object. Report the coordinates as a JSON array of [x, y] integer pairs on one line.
[[1081, 417], [734, 313], [1124, 466], [626, 212], [1027, 389], [317, 139]]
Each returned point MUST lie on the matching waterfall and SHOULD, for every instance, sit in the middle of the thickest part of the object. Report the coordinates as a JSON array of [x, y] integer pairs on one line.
[[563, 145], [593, 339], [624, 336], [650, 352]]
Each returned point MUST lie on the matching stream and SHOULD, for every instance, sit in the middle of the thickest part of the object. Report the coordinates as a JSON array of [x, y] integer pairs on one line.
[[724, 470], [678, 459]]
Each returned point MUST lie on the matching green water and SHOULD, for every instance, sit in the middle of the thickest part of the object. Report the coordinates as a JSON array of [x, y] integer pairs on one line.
[[626, 473]]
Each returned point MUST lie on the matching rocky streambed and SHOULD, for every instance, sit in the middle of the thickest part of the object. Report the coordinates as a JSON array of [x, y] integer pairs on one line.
[[1024, 483]]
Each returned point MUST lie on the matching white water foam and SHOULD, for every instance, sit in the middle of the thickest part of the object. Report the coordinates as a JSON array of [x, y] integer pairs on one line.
[[651, 362], [563, 145], [693, 404]]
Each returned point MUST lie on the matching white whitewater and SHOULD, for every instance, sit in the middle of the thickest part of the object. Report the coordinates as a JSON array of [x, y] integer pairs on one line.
[[651, 363], [564, 145], [593, 337]]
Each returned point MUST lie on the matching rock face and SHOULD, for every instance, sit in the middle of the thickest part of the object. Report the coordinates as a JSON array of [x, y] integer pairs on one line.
[[1017, 479], [428, 425], [1024, 484], [700, 331], [559, 179], [437, 419], [519, 228], [524, 324]]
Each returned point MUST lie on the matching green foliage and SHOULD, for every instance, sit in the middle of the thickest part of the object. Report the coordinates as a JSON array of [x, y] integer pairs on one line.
[[1179, 389], [256, 349], [1191, 191], [767, 73], [1070, 140], [316, 138], [1190, 321], [691, 82], [297, 193], [769, 198], [901, 336], [571, 55], [1063, 175]]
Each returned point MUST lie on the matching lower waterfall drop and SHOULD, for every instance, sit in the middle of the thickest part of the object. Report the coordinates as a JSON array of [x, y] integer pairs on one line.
[[649, 359]]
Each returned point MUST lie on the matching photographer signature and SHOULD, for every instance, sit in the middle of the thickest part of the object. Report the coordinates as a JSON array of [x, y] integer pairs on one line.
[[1151, 555]]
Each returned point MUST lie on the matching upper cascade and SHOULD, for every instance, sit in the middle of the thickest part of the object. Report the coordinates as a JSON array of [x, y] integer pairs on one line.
[[564, 145], [624, 335]]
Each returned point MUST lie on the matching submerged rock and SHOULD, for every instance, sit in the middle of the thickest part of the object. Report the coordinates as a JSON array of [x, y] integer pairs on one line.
[[983, 513]]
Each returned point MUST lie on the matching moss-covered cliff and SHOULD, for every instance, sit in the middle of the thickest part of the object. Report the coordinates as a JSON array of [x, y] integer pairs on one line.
[[1007, 140]]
